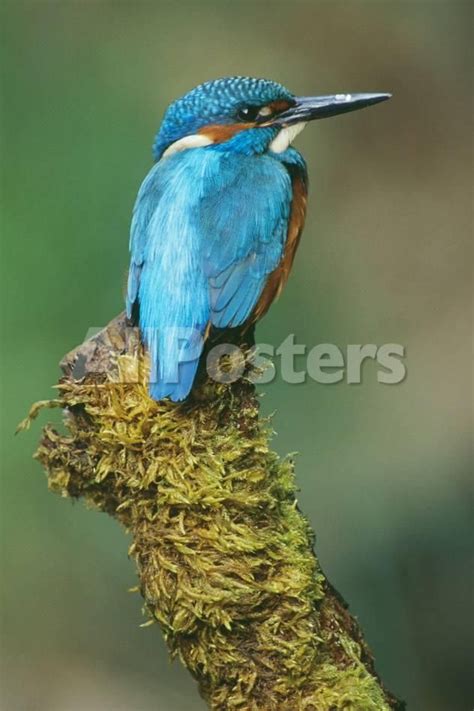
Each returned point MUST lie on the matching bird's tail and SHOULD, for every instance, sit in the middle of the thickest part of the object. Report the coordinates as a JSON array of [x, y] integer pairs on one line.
[[174, 355]]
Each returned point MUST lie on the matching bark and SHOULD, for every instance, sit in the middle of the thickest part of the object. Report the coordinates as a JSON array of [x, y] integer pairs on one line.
[[224, 556]]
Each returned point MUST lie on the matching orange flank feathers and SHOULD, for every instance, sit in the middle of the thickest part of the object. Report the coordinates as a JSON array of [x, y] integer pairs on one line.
[[279, 277]]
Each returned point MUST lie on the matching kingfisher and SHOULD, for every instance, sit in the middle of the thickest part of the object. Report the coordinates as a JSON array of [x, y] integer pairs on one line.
[[218, 218]]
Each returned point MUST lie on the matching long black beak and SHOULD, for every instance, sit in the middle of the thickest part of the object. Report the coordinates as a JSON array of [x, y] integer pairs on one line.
[[309, 108]]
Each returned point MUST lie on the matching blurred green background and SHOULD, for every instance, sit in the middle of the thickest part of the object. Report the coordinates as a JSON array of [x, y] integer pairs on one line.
[[384, 471]]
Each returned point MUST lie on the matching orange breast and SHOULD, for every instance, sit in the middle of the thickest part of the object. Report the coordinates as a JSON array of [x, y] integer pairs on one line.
[[279, 277]]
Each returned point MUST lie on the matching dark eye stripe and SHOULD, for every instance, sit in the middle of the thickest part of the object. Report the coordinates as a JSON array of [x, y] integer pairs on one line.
[[254, 113]]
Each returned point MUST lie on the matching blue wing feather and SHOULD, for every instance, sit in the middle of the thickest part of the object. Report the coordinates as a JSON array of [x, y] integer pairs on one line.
[[247, 220], [208, 228], [145, 205]]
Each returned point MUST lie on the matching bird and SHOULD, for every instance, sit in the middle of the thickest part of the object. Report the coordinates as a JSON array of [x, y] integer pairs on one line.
[[218, 218]]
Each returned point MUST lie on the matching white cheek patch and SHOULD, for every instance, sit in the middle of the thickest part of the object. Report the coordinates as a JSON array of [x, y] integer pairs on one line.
[[285, 137], [197, 140]]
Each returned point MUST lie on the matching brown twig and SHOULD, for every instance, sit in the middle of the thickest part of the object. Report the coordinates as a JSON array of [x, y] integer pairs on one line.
[[225, 558]]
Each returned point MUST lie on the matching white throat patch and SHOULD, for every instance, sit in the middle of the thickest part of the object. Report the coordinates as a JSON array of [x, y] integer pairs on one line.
[[279, 144], [285, 137], [195, 141]]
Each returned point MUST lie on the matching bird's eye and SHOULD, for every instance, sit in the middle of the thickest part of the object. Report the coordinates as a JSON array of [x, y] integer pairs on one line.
[[248, 113]]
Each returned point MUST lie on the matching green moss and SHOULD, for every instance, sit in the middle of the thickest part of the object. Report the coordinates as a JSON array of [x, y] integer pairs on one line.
[[224, 556]]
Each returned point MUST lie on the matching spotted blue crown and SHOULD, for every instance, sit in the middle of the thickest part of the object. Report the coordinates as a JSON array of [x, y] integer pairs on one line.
[[214, 102]]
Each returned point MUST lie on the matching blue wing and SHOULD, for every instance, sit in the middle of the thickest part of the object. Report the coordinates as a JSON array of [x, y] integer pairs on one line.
[[246, 222], [207, 230], [146, 203]]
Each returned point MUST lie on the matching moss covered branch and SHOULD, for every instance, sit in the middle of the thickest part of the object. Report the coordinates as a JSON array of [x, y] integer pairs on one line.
[[225, 558]]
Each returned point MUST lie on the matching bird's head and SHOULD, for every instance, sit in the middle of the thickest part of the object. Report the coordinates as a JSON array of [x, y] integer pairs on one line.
[[246, 114]]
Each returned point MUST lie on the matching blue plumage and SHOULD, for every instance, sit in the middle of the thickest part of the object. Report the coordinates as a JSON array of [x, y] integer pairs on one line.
[[207, 229], [209, 226], [217, 219]]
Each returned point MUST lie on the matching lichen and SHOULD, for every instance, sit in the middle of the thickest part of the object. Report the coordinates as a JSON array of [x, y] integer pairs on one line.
[[225, 558]]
